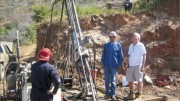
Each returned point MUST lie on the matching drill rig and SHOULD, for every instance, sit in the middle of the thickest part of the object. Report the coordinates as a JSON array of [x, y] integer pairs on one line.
[[75, 55], [76, 52]]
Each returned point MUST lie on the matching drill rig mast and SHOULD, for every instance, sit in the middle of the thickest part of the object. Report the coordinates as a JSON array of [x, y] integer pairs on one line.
[[77, 48]]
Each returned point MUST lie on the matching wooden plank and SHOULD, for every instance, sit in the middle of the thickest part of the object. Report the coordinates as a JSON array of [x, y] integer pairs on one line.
[[154, 98], [111, 5]]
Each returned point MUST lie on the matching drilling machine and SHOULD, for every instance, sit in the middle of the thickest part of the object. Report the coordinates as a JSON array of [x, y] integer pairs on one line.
[[16, 85], [77, 47]]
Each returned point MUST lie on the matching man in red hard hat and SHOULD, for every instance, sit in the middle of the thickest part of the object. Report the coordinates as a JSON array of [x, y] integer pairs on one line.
[[43, 75]]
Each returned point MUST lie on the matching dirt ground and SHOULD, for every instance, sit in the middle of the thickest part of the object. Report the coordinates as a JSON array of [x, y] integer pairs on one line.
[[28, 52], [171, 92]]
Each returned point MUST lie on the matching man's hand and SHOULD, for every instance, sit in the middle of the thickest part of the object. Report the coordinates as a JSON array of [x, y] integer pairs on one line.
[[50, 92], [124, 68], [143, 69]]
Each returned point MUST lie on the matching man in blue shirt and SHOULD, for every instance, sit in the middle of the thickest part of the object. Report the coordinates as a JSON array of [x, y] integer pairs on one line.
[[112, 58], [43, 75]]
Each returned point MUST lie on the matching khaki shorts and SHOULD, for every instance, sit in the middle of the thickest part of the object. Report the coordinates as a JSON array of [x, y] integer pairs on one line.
[[134, 74]]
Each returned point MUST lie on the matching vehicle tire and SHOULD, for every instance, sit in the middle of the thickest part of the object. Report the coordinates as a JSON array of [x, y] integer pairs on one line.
[[1, 72]]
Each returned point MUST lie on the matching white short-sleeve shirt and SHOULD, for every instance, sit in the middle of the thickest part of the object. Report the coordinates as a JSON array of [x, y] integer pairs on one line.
[[136, 53]]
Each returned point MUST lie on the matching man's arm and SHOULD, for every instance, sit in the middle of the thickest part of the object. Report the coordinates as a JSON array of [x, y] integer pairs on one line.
[[103, 57], [143, 63], [121, 58], [127, 63], [125, 68], [55, 80], [144, 58]]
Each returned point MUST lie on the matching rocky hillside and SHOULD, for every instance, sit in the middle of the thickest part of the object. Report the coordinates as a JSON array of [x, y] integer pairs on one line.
[[159, 30], [17, 15]]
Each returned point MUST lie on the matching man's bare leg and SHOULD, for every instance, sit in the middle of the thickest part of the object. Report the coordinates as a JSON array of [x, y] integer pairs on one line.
[[131, 86], [140, 87], [131, 95]]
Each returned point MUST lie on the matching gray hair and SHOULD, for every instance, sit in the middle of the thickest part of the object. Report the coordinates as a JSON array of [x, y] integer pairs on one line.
[[137, 34]]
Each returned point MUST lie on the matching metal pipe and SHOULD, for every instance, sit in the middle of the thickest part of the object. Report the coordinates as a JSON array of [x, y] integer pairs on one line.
[[17, 48]]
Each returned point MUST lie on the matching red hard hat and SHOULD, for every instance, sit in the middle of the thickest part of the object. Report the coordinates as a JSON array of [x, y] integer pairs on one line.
[[44, 54]]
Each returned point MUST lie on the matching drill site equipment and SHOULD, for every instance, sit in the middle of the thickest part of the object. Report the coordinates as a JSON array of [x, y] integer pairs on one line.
[[18, 81], [16, 85], [76, 52]]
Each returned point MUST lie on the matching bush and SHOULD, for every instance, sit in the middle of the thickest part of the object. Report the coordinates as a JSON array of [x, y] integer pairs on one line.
[[88, 10], [30, 34], [7, 27], [144, 5], [41, 12], [3, 31]]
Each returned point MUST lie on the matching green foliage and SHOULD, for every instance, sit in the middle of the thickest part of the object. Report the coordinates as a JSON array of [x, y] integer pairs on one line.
[[30, 34], [89, 10], [138, 6], [7, 27], [41, 12], [144, 5], [3, 30], [56, 12]]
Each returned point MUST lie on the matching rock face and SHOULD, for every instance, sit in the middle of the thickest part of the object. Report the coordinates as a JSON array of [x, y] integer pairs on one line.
[[160, 33]]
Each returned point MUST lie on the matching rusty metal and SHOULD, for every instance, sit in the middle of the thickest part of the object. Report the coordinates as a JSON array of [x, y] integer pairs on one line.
[[163, 80]]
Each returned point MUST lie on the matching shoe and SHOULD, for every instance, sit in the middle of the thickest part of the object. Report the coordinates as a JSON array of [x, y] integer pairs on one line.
[[106, 97], [138, 96], [131, 96], [113, 97]]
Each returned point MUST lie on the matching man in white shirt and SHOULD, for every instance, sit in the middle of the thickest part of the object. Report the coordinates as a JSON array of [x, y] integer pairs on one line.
[[137, 59]]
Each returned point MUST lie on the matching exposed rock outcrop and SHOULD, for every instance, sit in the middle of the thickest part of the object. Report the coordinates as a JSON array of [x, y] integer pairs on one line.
[[160, 32]]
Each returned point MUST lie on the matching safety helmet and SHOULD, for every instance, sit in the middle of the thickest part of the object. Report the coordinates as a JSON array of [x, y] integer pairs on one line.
[[44, 54]]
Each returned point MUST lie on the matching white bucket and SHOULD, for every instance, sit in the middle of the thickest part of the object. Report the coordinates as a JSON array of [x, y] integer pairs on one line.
[[124, 82], [57, 96]]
